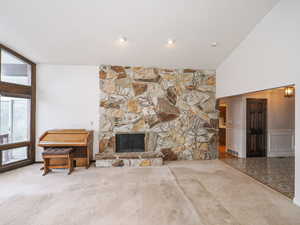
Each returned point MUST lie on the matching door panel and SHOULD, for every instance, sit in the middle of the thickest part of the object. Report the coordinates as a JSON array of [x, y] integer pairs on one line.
[[256, 127]]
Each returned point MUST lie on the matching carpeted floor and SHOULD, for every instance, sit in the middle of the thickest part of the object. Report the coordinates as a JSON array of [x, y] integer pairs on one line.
[[184, 192]]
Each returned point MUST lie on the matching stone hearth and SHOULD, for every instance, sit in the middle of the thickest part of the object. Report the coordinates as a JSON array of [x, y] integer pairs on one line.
[[174, 108], [132, 159]]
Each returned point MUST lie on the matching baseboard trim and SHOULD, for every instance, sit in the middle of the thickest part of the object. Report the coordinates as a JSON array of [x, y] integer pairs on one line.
[[232, 152]]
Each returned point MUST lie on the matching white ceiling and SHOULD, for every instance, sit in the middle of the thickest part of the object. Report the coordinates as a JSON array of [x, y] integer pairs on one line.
[[85, 31]]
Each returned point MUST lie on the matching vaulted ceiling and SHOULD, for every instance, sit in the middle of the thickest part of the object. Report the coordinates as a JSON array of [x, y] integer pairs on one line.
[[86, 32]]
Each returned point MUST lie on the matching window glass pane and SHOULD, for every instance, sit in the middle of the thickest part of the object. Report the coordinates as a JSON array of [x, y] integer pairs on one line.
[[14, 120], [14, 70], [14, 155]]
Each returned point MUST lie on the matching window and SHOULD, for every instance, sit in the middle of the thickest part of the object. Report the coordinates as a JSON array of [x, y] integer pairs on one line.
[[17, 110], [14, 155], [14, 120], [14, 70]]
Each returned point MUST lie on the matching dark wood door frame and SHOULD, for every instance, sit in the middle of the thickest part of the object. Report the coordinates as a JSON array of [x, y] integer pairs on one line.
[[256, 127], [222, 131], [22, 91]]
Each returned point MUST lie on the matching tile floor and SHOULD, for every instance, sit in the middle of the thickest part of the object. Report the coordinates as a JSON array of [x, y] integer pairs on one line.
[[278, 173]]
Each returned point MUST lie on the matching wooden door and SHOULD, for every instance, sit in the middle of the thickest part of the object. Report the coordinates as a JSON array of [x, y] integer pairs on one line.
[[256, 127]]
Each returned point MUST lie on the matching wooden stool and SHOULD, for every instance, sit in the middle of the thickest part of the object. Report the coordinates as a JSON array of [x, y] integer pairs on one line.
[[58, 153]]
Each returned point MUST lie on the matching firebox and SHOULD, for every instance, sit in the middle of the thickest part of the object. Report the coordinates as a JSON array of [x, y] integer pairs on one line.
[[130, 142]]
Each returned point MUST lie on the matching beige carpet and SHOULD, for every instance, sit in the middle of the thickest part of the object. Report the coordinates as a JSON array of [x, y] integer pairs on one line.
[[180, 193]]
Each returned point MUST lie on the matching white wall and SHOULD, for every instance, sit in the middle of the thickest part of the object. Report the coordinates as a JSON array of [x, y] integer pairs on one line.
[[268, 58], [235, 129], [281, 124], [67, 97], [270, 51]]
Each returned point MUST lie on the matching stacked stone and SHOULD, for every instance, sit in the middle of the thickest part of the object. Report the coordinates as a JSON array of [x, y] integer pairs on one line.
[[176, 108]]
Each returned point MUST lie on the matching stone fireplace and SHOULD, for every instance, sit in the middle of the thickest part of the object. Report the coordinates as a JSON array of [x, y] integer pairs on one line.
[[175, 109]]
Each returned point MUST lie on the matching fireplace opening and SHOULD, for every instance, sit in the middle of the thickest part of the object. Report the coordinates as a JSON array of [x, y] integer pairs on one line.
[[130, 142]]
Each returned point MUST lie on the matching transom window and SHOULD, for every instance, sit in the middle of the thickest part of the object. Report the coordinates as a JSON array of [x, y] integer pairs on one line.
[[14, 70]]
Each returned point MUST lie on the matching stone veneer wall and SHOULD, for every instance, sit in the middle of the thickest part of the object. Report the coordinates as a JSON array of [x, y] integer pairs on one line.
[[175, 108]]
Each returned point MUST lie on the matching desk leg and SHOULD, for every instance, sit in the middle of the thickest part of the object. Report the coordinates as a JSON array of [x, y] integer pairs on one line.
[[70, 162], [46, 164]]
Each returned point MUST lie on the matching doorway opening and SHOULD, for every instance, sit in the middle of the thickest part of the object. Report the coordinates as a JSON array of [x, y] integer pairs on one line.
[[260, 136]]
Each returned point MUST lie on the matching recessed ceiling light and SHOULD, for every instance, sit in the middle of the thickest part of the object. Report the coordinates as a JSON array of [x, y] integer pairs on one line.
[[214, 44], [171, 41], [123, 39]]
